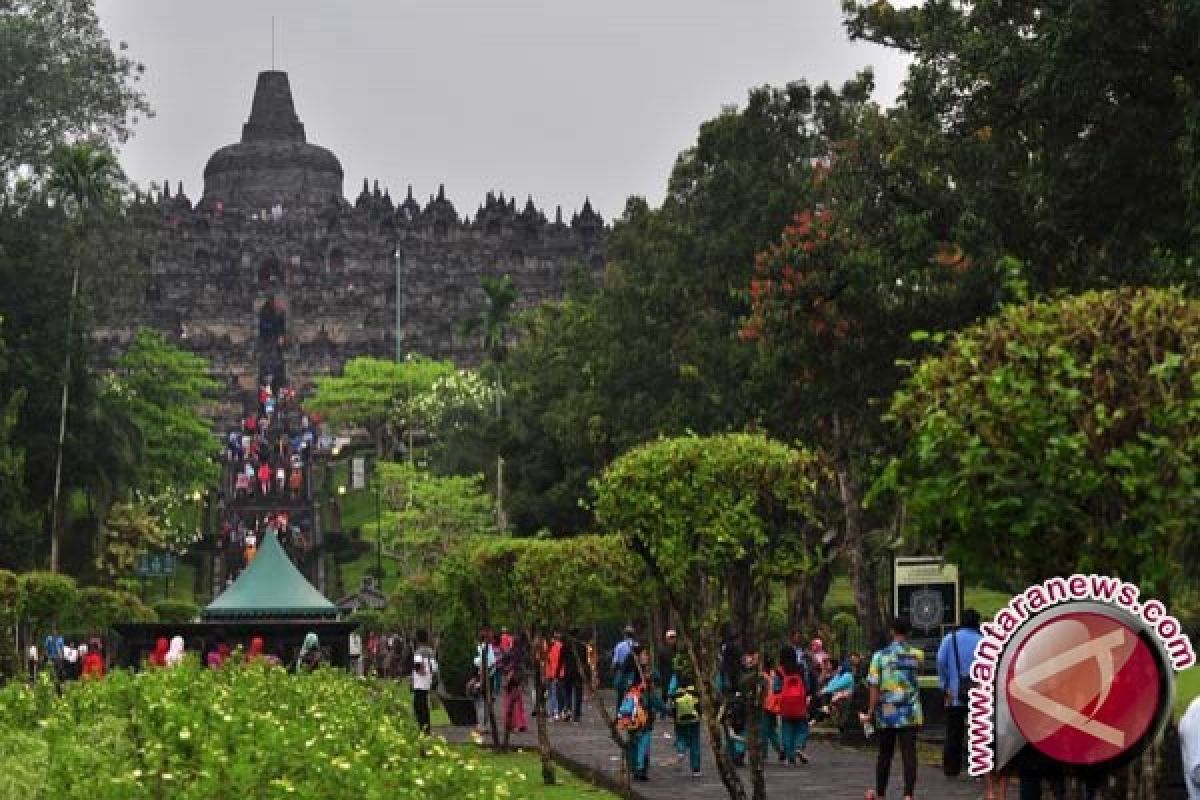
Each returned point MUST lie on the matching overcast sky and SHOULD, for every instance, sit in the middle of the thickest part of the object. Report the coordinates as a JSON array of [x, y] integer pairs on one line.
[[554, 98]]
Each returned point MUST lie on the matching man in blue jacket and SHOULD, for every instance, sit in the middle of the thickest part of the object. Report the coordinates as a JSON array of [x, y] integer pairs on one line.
[[954, 659]]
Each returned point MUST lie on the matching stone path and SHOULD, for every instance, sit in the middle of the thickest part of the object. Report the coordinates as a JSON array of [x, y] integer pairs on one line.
[[834, 772]]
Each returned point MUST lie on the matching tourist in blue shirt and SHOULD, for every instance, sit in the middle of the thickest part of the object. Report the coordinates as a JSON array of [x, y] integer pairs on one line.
[[954, 659], [624, 670]]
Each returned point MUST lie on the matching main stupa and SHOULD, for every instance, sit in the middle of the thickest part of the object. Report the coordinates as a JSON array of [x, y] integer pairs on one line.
[[273, 163]]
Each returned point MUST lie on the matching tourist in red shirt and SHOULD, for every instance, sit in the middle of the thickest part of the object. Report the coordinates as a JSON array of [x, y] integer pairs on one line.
[[159, 657], [93, 662]]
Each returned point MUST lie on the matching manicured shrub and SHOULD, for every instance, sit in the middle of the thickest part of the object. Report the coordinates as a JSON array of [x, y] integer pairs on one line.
[[245, 731], [176, 611]]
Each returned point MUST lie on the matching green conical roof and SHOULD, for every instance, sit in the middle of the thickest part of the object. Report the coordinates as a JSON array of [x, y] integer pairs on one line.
[[270, 587]]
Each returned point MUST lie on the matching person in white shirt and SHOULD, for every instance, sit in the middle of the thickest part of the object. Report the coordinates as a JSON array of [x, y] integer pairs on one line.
[[1189, 740], [424, 679]]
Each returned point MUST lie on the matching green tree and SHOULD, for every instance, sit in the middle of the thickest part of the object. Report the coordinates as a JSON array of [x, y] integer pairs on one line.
[[654, 350], [1060, 436], [717, 521], [18, 522], [427, 514], [493, 327], [10, 597], [47, 600], [129, 530], [99, 609], [542, 584], [84, 177], [1070, 129], [161, 389], [379, 394], [833, 304], [60, 80]]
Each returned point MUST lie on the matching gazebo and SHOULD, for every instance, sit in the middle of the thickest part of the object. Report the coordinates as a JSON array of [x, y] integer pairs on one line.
[[271, 599]]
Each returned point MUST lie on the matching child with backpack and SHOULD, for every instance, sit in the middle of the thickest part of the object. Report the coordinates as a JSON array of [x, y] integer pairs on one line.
[[768, 733], [788, 683], [635, 716], [686, 704]]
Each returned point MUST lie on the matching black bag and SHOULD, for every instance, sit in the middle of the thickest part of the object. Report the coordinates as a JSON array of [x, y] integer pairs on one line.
[[965, 684]]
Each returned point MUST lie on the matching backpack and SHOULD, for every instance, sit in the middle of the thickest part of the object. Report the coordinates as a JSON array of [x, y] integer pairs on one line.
[[771, 698], [687, 707], [631, 714], [793, 698]]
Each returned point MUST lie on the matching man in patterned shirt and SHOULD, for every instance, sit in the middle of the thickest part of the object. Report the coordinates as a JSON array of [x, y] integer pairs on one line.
[[895, 706]]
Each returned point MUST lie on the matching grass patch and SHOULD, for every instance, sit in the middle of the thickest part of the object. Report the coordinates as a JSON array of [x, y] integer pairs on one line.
[[529, 764], [986, 601], [1187, 689]]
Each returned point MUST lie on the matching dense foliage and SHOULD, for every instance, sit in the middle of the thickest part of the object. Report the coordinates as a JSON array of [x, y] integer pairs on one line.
[[424, 515], [381, 395], [717, 521], [1069, 129], [60, 79], [1060, 436], [654, 350], [245, 731]]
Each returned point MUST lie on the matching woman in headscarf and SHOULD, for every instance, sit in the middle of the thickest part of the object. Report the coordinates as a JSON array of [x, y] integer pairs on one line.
[[512, 664], [256, 649], [310, 654], [159, 657], [174, 652], [93, 662]]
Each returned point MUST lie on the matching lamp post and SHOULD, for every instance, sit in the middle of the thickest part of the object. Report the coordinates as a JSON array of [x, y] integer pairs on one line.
[[378, 540], [377, 491]]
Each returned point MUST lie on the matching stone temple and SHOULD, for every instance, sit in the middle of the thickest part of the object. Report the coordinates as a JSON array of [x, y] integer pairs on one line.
[[273, 265]]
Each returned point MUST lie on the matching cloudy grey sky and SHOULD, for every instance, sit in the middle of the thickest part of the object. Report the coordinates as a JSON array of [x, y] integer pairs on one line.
[[554, 98]]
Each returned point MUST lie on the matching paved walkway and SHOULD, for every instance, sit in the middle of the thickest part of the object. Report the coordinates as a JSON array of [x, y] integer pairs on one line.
[[834, 772]]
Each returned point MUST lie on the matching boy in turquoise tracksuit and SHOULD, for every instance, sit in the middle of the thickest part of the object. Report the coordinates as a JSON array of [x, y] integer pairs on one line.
[[637, 751], [687, 717]]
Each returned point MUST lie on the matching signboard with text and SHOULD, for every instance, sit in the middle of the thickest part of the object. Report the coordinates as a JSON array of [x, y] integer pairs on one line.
[[926, 593], [155, 565]]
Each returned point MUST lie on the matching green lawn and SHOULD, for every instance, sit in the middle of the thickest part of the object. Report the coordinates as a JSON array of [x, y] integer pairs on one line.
[[1187, 688], [529, 764], [986, 601]]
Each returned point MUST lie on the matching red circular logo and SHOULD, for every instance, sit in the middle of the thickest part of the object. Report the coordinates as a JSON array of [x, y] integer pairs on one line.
[[1083, 688]]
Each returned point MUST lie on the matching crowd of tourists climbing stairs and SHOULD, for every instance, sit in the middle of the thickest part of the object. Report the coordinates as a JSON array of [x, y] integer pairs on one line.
[[267, 477]]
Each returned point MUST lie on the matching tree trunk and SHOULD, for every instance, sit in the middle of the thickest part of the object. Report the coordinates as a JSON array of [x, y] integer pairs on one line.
[[539, 709], [703, 655], [862, 571], [489, 696], [610, 722], [806, 597]]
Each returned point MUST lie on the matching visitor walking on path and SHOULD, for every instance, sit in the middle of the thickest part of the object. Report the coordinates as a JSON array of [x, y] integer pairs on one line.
[[685, 704], [624, 668], [424, 679], [485, 685], [664, 660], [955, 656], [793, 707], [895, 708], [553, 677], [636, 713], [572, 679], [512, 664]]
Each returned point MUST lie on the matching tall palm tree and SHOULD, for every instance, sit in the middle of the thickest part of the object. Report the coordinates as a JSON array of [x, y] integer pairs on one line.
[[84, 178], [492, 326]]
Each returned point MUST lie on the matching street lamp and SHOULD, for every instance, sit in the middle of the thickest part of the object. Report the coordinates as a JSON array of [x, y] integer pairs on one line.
[[378, 540]]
